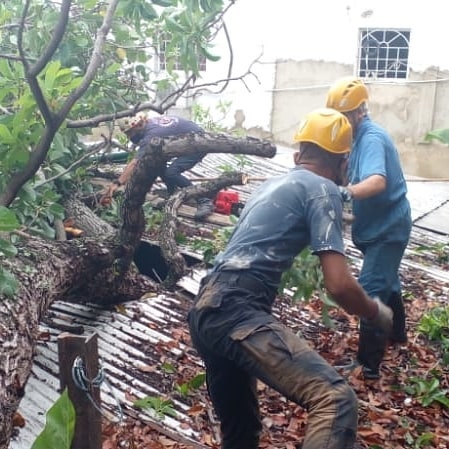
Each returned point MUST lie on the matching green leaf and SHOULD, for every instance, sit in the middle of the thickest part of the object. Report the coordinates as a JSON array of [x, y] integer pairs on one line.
[[7, 248], [8, 220], [51, 73], [209, 55], [8, 283], [5, 135], [59, 427], [198, 381], [439, 134]]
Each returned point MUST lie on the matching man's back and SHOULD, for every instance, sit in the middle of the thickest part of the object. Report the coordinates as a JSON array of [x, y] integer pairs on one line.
[[170, 125], [286, 214], [374, 153]]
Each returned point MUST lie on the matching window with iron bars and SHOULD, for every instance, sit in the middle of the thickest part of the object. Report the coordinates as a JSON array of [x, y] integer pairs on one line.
[[383, 53], [167, 56]]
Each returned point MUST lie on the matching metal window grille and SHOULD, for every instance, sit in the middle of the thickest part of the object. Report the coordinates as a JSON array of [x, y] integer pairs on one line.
[[383, 53], [169, 56]]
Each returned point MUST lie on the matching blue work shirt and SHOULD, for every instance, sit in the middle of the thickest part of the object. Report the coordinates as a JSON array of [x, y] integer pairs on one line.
[[386, 215], [283, 216], [166, 126]]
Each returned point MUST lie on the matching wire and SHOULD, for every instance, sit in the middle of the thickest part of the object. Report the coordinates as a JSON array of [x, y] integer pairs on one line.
[[83, 383]]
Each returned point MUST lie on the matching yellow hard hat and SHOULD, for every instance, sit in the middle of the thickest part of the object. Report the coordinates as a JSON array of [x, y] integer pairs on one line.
[[327, 128], [347, 94], [128, 124]]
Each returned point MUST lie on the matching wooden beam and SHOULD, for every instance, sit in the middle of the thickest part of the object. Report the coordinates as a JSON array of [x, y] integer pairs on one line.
[[88, 417]]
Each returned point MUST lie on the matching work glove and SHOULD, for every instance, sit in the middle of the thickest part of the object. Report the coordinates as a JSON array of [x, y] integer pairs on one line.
[[345, 193], [384, 318]]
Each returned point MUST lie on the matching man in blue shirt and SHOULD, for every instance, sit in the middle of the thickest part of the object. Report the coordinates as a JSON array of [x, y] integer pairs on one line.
[[231, 321], [140, 130], [382, 223]]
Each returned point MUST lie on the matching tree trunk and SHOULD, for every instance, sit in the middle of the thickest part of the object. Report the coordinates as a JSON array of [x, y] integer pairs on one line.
[[88, 269]]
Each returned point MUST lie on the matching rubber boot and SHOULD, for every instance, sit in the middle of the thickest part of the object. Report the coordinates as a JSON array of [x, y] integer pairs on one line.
[[372, 344], [398, 333], [204, 209]]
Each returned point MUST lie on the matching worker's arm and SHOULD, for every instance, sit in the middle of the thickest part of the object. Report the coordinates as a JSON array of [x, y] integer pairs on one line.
[[349, 294], [127, 172], [367, 188], [120, 181]]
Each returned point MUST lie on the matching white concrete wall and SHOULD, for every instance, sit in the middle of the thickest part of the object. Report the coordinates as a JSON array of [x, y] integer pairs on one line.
[[318, 30], [302, 47]]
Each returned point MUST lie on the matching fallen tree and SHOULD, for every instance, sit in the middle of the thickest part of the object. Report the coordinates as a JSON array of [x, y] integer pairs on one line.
[[95, 269]]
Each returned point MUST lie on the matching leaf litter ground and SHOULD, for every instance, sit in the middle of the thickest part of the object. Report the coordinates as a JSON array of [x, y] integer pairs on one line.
[[389, 418]]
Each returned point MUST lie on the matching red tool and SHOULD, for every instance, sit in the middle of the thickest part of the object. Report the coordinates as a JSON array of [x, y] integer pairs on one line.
[[227, 203]]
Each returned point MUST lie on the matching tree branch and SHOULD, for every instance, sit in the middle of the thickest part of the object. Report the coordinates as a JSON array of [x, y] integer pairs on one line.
[[167, 238], [94, 63], [152, 165], [58, 34]]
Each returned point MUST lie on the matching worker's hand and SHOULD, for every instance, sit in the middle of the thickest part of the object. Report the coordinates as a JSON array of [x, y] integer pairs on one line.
[[345, 193], [384, 318], [106, 200], [106, 197]]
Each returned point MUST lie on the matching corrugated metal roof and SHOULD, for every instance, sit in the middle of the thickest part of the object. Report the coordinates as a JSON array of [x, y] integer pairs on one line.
[[135, 338]]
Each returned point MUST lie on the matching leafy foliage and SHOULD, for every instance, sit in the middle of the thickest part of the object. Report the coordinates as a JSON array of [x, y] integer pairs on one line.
[[305, 279], [127, 75], [46, 61], [435, 325], [211, 247], [184, 389], [438, 134], [428, 391], [160, 406], [8, 222]]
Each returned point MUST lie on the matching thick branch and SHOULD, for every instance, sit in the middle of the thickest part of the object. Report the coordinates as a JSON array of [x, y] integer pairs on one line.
[[218, 143], [36, 159], [152, 166], [167, 238]]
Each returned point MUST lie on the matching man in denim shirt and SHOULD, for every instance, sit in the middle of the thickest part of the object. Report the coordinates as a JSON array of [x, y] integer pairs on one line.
[[231, 322], [382, 223]]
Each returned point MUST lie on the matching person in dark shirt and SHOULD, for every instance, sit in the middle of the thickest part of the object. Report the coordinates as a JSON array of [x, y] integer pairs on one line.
[[231, 322], [140, 130]]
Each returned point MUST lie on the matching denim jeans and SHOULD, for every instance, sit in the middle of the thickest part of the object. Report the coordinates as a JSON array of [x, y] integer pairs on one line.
[[240, 341], [172, 176]]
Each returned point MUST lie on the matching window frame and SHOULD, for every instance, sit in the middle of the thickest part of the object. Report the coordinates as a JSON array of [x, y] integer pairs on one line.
[[383, 53]]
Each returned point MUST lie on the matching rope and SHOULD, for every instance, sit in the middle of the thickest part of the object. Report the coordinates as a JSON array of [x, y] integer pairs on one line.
[[83, 383]]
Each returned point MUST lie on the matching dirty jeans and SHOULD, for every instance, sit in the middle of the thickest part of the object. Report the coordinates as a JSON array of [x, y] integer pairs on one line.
[[238, 338]]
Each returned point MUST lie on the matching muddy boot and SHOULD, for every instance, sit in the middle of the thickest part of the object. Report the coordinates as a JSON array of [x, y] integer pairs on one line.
[[372, 343], [204, 209], [398, 333]]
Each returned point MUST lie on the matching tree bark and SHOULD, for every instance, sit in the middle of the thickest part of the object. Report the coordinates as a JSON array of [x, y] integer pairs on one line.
[[174, 259], [90, 269]]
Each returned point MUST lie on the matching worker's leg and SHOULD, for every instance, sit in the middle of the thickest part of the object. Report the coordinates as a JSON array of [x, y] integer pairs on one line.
[[236, 335], [173, 177], [232, 389], [234, 396], [286, 363], [379, 277]]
